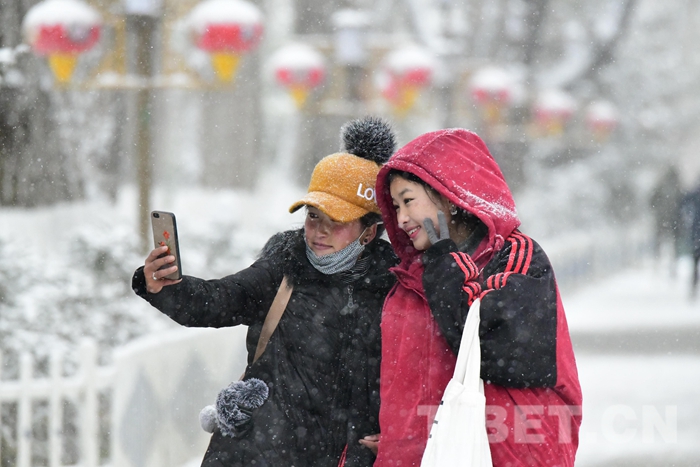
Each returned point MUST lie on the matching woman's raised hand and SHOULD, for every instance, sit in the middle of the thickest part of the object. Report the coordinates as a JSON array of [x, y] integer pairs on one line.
[[155, 276], [442, 225]]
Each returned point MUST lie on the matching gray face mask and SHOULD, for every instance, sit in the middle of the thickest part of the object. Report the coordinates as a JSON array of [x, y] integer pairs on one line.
[[339, 261]]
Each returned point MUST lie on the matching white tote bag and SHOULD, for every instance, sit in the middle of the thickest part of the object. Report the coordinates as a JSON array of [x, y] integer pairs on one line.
[[458, 434]]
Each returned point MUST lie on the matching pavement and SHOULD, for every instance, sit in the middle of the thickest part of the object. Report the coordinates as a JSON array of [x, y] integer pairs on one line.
[[636, 335]]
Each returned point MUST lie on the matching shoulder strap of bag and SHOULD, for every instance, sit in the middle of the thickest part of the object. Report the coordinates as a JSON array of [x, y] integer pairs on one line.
[[468, 367], [279, 304]]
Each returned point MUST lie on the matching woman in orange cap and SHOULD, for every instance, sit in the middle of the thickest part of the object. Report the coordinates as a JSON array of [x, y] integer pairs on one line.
[[313, 393]]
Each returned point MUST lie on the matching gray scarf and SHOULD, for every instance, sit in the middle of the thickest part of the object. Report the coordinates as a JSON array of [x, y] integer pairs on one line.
[[339, 261]]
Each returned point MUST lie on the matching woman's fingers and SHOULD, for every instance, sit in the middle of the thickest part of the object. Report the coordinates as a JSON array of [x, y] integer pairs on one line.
[[154, 269], [371, 442], [156, 280], [160, 262], [443, 229], [155, 253], [159, 274], [430, 230], [153, 285], [442, 225]]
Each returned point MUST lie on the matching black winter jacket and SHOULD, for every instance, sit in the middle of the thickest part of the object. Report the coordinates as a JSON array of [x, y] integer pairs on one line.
[[321, 364]]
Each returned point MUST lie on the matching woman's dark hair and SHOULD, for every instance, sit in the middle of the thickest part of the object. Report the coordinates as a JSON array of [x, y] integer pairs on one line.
[[461, 217], [432, 192]]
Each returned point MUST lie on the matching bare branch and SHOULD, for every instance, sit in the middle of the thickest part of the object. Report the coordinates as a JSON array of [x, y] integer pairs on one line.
[[538, 13], [605, 52]]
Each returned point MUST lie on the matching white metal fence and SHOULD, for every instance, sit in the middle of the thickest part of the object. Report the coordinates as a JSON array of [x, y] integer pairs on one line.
[[157, 386], [82, 389]]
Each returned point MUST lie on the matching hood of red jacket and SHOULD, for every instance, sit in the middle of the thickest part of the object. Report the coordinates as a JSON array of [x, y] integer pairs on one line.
[[457, 164]]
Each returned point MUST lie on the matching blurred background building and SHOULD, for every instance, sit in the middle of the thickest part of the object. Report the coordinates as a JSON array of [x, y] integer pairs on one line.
[[172, 92]]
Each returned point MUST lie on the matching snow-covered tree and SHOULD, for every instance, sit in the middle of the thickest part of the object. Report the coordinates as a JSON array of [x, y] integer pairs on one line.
[[55, 145]]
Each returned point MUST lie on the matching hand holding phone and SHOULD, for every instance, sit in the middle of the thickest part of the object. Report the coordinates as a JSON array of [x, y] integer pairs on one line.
[[162, 266]]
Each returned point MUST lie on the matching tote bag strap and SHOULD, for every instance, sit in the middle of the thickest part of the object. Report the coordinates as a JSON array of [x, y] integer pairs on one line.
[[279, 304], [468, 367]]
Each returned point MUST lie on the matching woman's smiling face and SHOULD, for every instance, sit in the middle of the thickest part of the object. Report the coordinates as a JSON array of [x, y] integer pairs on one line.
[[413, 205], [325, 236]]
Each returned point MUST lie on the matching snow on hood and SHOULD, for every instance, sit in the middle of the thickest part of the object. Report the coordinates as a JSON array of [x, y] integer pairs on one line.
[[457, 164]]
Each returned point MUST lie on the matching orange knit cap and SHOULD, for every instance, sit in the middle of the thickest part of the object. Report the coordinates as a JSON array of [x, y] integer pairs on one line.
[[342, 187]]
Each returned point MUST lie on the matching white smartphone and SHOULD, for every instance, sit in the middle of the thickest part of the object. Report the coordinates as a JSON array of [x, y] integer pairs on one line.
[[165, 234]]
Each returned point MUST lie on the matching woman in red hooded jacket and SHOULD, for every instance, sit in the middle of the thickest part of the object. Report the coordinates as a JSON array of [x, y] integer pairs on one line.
[[531, 386]]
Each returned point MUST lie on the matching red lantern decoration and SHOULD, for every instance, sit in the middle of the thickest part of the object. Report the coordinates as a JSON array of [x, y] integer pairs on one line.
[[601, 119], [298, 68], [492, 89], [553, 109], [226, 29], [62, 30], [405, 73]]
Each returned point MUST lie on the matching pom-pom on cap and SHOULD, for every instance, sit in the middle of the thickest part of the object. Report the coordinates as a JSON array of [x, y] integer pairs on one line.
[[371, 138], [342, 184]]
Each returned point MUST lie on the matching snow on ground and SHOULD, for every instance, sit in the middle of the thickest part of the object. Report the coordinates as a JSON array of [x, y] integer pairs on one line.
[[65, 270], [640, 396], [650, 297]]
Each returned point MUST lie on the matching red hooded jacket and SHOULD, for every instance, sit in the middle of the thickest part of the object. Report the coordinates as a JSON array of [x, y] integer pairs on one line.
[[532, 390]]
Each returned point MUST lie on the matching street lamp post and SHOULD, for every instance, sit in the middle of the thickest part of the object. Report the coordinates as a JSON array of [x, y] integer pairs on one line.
[[142, 20], [133, 32], [143, 27], [350, 49]]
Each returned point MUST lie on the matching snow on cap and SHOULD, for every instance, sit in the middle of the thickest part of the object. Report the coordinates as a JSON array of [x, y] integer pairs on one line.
[[342, 184], [342, 187]]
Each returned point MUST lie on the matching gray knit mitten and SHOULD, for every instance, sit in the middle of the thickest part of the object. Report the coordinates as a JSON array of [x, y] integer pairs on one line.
[[234, 407]]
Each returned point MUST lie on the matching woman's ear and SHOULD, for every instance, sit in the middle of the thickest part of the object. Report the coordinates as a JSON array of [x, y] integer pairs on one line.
[[370, 233]]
